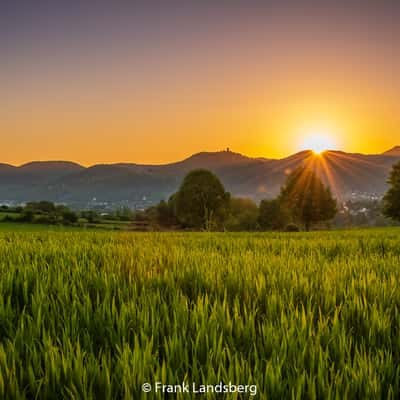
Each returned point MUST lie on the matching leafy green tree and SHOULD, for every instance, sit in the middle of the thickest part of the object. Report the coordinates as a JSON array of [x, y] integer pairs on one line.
[[91, 216], [243, 215], [201, 201], [27, 215], [69, 216], [391, 200], [273, 215], [165, 213], [307, 198], [45, 207]]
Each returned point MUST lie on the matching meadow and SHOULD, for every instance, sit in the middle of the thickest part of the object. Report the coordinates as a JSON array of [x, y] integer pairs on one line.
[[94, 315]]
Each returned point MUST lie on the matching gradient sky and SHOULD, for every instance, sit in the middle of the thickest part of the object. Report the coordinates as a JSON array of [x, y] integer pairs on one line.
[[118, 81]]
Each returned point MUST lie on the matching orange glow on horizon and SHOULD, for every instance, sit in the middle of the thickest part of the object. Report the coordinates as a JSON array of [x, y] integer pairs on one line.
[[114, 132], [156, 87]]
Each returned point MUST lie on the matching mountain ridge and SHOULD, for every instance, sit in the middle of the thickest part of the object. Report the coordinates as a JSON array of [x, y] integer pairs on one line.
[[393, 150], [70, 182]]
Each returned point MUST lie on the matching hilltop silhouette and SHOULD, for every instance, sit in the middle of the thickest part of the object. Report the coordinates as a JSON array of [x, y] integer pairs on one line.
[[258, 178]]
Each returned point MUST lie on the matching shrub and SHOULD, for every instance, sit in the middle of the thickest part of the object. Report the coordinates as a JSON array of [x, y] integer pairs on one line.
[[292, 228], [69, 217]]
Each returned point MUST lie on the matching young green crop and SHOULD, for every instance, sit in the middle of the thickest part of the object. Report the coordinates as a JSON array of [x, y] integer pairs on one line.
[[94, 315]]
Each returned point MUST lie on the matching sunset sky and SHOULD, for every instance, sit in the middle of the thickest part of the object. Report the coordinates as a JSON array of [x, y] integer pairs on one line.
[[120, 82]]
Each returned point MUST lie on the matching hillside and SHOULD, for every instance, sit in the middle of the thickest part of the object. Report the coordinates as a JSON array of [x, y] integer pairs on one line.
[[394, 152], [258, 178]]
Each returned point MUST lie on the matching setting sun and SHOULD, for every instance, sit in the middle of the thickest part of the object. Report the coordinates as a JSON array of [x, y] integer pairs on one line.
[[318, 143]]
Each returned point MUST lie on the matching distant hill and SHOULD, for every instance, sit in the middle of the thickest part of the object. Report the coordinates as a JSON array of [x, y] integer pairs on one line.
[[33, 172], [258, 178], [52, 166], [394, 152], [6, 168]]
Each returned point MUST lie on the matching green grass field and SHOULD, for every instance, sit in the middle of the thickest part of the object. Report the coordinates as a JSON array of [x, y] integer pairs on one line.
[[21, 227], [30, 227], [94, 315]]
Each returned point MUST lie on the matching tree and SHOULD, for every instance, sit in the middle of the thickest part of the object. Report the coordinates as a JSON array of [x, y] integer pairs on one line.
[[91, 216], [165, 213], [307, 198], [69, 216], [27, 215], [124, 214], [201, 201], [273, 215], [45, 207], [391, 200], [243, 215]]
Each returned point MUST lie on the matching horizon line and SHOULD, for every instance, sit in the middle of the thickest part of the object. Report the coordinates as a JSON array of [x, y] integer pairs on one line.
[[226, 150]]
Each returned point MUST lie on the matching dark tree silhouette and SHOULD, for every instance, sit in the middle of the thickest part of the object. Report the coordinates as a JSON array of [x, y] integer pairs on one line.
[[243, 215], [391, 200], [273, 215], [201, 201], [307, 198]]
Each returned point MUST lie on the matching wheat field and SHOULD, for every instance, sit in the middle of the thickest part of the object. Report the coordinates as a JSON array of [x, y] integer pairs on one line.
[[95, 315]]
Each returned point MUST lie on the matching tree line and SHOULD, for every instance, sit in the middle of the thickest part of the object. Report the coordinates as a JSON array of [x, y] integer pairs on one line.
[[304, 203], [202, 203], [48, 213]]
